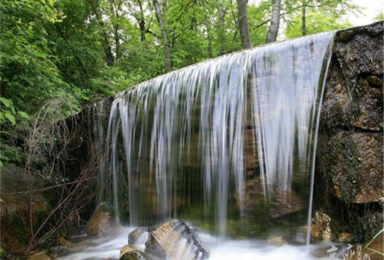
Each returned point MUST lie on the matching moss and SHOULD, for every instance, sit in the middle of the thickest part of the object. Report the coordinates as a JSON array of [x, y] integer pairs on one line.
[[3, 253], [21, 228]]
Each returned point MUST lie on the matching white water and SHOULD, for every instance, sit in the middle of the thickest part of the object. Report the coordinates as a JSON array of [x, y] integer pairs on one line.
[[109, 248]]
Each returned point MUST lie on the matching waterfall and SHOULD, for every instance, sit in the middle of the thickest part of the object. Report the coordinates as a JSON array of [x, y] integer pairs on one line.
[[228, 144]]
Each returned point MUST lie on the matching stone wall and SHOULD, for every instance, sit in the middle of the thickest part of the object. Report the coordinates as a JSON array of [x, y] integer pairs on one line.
[[349, 162]]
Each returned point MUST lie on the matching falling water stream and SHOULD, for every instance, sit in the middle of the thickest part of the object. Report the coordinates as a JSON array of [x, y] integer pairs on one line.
[[227, 144]]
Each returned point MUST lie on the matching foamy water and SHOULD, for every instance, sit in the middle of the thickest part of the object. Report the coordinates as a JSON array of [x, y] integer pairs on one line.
[[109, 248]]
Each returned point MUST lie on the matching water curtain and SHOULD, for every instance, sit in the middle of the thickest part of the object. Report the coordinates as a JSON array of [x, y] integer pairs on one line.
[[228, 144]]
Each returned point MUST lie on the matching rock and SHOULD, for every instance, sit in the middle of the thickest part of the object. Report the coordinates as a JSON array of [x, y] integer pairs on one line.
[[355, 166], [62, 241], [276, 241], [253, 196], [39, 256], [102, 223], [14, 208], [134, 255], [174, 240], [139, 236], [127, 248], [320, 227], [344, 237]]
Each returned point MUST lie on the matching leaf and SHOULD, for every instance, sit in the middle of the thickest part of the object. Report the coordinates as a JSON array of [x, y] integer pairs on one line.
[[6, 102], [10, 117], [23, 114]]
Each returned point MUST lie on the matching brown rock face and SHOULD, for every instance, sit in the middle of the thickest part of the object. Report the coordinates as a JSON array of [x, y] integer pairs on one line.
[[102, 223], [282, 202], [320, 227], [349, 160]]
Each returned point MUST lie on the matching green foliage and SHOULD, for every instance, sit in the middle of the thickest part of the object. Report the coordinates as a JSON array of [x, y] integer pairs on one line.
[[380, 16], [3, 252], [316, 23]]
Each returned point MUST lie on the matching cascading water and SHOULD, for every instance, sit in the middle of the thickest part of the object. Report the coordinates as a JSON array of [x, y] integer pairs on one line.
[[227, 144]]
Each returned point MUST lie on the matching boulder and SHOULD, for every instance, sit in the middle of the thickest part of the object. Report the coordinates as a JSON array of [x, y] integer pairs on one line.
[[277, 241], [134, 255], [139, 236], [39, 256], [320, 227], [174, 240], [127, 248], [102, 223]]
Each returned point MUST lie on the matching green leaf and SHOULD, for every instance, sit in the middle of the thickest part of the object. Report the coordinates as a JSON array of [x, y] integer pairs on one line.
[[23, 114], [10, 117], [6, 102]]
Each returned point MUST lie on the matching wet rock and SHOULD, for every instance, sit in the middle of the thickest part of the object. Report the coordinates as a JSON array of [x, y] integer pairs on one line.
[[344, 237], [39, 256], [134, 255], [355, 166], [372, 224], [102, 223], [174, 240], [252, 196], [320, 227], [139, 236], [375, 81], [277, 241], [126, 249]]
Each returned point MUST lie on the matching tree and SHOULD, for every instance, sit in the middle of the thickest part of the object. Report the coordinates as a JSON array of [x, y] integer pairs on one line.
[[316, 23], [275, 22], [243, 24], [159, 16]]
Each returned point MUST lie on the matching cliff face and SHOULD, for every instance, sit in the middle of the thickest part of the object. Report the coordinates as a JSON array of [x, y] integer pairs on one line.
[[349, 161]]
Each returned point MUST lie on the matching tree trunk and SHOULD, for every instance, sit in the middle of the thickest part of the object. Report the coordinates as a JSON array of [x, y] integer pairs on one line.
[[243, 24], [115, 10], [221, 26], [108, 50], [141, 21], [275, 22], [168, 61], [303, 23]]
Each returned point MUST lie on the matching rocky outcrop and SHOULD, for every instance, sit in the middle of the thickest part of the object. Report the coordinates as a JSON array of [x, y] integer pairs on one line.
[[349, 161], [129, 252], [174, 240], [102, 223], [320, 227], [139, 236]]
